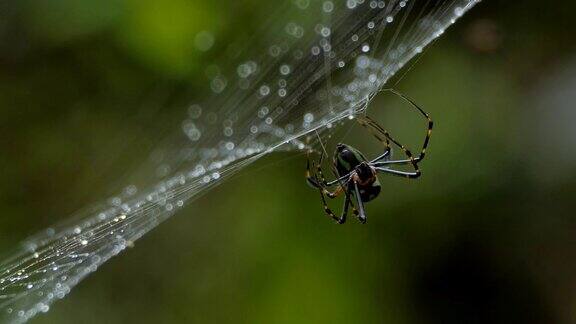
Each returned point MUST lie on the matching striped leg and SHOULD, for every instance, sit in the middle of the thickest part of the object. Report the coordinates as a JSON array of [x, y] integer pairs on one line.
[[362, 215], [425, 114], [399, 173], [329, 212], [373, 127], [321, 184], [381, 139]]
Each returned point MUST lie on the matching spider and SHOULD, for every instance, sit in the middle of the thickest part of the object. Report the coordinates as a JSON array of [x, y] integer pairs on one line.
[[356, 176]]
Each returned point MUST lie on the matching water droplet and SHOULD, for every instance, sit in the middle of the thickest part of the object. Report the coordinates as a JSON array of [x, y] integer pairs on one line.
[[264, 90], [195, 111], [285, 69], [204, 40], [302, 4], [228, 131], [458, 11], [218, 84]]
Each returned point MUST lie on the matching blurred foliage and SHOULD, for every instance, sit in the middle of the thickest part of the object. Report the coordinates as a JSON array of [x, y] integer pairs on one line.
[[487, 235]]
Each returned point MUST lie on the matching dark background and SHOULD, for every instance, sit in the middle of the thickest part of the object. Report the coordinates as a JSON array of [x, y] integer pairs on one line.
[[487, 235]]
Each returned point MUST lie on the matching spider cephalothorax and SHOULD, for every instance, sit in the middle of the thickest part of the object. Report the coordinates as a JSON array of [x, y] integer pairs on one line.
[[356, 176]]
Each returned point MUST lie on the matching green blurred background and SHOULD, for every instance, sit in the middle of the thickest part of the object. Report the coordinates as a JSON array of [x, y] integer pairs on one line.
[[487, 235]]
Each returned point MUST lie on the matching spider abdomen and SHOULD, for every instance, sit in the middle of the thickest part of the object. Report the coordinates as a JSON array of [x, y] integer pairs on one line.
[[369, 192], [347, 158]]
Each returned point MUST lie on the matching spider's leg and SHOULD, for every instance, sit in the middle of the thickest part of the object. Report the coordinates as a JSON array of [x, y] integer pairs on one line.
[[339, 180], [318, 183], [362, 215], [354, 210], [329, 212], [334, 193], [425, 114], [313, 181], [321, 184], [404, 174], [383, 155], [321, 173], [342, 219], [309, 179], [378, 135], [396, 162], [365, 120]]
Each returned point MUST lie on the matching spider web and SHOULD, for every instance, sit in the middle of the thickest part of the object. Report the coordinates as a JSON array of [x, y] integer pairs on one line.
[[313, 64]]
